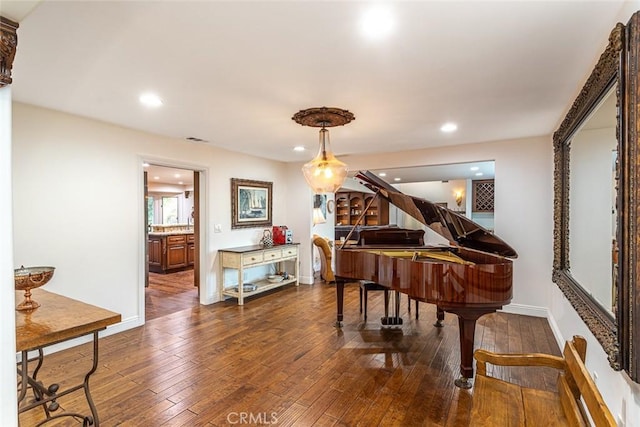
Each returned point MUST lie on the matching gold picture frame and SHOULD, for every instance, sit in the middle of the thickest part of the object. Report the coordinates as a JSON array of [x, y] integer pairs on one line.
[[251, 203]]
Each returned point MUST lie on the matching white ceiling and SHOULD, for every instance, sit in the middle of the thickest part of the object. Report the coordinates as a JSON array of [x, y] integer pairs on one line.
[[166, 175], [233, 73]]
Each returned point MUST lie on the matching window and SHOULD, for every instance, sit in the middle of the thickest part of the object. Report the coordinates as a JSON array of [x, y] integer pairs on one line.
[[150, 210], [170, 210]]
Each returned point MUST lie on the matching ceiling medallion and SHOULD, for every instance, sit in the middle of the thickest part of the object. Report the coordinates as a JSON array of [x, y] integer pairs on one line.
[[323, 117]]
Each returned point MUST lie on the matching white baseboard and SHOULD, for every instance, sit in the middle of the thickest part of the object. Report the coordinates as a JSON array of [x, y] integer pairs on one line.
[[526, 310], [305, 280], [556, 331]]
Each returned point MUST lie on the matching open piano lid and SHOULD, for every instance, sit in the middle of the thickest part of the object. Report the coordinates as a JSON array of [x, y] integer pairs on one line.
[[450, 225]]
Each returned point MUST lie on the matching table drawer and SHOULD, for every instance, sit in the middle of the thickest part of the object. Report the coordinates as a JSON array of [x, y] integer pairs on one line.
[[191, 238], [291, 251], [272, 254], [252, 258]]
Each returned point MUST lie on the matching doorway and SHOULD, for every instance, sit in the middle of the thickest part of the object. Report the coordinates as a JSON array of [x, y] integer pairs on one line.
[[172, 201]]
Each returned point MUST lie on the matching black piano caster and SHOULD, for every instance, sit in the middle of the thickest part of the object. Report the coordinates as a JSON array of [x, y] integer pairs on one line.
[[463, 383]]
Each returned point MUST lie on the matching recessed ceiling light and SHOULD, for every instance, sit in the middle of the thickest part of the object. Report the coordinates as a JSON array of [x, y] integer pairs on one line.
[[145, 165], [474, 168], [150, 100], [377, 23], [156, 177], [177, 175], [479, 174], [180, 182], [449, 127], [298, 148], [382, 174], [397, 179]]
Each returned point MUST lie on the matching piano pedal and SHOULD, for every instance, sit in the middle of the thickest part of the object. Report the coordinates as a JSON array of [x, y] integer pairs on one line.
[[391, 321]]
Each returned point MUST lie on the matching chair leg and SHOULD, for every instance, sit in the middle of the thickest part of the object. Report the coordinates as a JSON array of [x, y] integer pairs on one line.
[[386, 303], [397, 306], [409, 307], [364, 293]]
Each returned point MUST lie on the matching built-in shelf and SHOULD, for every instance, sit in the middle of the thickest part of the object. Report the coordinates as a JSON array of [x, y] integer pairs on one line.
[[350, 206]]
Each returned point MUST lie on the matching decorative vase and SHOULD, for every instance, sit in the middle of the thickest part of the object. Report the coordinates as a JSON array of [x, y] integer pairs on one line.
[[267, 239]]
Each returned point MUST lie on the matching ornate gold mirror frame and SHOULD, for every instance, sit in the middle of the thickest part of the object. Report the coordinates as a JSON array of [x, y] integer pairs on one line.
[[608, 72], [628, 205], [8, 43]]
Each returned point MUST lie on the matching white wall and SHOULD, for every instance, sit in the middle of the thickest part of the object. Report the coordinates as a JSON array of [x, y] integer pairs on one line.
[[78, 203], [299, 206], [8, 400]]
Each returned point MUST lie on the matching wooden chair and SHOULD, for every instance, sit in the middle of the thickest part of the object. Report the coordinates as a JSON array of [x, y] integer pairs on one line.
[[501, 403]]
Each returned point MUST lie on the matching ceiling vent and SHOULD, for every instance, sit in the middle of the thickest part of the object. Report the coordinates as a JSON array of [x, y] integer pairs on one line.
[[194, 139]]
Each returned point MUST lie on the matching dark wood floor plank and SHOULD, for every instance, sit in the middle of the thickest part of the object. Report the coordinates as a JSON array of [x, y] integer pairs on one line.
[[280, 354]]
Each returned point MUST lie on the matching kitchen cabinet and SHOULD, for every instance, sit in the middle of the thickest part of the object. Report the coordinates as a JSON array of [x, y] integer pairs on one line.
[[245, 257], [191, 249], [170, 252], [155, 252]]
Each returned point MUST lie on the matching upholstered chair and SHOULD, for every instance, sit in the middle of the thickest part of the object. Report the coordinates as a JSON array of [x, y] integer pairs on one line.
[[326, 271]]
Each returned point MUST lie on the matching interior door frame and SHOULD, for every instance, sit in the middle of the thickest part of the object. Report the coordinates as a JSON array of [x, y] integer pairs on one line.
[[200, 225]]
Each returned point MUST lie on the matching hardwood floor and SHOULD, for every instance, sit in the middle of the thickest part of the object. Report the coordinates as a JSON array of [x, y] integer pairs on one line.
[[168, 293], [279, 360]]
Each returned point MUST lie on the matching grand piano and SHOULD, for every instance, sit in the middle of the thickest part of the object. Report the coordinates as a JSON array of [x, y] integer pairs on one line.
[[470, 277]]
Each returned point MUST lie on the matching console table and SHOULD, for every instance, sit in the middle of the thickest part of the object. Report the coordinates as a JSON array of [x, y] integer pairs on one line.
[[244, 257], [58, 319]]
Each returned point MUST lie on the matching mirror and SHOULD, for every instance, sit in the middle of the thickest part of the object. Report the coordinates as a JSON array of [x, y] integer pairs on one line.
[[586, 216], [592, 191], [449, 185]]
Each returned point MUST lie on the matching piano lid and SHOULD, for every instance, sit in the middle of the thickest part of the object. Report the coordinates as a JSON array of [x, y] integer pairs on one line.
[[447, 223]]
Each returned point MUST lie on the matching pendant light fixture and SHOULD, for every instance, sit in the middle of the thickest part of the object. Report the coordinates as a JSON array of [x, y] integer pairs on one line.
[[325, 173]]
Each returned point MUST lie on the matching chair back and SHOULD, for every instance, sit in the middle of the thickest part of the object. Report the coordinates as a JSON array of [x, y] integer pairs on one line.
[[326, 272]]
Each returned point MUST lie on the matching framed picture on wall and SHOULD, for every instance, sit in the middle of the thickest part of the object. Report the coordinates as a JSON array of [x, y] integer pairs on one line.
[[250, 203]]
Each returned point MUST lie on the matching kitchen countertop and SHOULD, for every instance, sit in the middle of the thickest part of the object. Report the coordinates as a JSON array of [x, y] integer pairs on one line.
[[170, 233]]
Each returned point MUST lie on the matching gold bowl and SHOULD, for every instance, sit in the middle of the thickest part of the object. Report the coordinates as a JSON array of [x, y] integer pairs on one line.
[[27, 278]]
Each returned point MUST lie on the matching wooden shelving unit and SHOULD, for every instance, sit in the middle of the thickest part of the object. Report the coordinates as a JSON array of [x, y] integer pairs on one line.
[[351, 204]]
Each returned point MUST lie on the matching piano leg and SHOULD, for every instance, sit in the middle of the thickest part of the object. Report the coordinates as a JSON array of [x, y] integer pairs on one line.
[[340, 300], [467, 324]]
